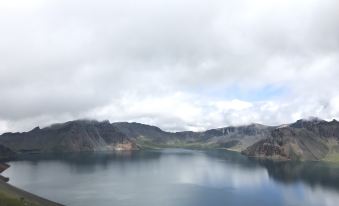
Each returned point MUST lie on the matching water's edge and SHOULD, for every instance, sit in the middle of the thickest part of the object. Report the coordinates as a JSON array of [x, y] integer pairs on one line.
[[12, 191]]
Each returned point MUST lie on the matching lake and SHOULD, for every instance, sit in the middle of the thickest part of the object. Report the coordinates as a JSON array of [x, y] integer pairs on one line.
[[175, 177]]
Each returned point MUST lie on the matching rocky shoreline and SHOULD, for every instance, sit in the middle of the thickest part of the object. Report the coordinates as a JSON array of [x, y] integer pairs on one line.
[[11, 195]]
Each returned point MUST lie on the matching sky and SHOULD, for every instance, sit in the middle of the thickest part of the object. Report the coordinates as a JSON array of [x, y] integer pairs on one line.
[[176, 64]]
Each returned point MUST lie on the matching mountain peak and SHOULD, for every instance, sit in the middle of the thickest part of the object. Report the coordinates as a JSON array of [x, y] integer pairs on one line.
[[312, 119], [304, 122], [35, 129], [77, 122]]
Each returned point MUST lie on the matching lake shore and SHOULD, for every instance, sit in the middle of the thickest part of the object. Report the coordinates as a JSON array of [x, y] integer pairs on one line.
[[11, 195]]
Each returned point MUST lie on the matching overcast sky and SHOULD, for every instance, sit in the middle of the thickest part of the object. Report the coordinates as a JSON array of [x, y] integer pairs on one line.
[[176, 64]]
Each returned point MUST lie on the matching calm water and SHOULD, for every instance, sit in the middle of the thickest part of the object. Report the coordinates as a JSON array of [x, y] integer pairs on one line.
[[175, 177]]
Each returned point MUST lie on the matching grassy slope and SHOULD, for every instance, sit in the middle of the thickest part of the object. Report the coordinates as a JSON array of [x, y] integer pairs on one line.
[[6, 199], [333, 155], [146, 144], [12, 196]]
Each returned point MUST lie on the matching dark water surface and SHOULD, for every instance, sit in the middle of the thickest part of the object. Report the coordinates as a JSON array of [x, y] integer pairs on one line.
[[175, 177]]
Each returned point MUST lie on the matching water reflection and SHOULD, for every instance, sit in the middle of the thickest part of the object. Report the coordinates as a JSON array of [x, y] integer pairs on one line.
[[314, 174], [175, 177]]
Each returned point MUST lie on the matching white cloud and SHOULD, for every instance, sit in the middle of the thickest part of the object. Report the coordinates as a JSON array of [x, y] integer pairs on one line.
[[158, 61], [237, 105]]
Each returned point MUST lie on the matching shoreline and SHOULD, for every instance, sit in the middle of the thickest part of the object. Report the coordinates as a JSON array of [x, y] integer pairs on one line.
[[10, 193]]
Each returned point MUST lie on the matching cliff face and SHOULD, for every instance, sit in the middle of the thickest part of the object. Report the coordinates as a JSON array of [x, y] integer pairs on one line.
[[74, 136], [302, 140]]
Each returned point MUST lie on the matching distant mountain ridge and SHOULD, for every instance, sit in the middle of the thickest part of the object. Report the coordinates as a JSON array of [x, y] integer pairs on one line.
[[237, 138], [313, 139]]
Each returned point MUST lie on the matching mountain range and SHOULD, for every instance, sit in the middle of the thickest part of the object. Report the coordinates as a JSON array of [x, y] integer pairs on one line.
[[312, 139]]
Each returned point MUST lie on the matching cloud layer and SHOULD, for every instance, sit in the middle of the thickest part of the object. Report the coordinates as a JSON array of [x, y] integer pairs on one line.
[[175, 64]]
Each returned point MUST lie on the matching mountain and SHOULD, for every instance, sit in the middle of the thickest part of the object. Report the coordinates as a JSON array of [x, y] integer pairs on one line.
[[313, 139], [90, 135], [73, 136], [236, 138]]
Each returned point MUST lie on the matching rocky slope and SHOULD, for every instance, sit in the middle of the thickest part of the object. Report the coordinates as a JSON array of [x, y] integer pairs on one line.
[[303, 140]]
